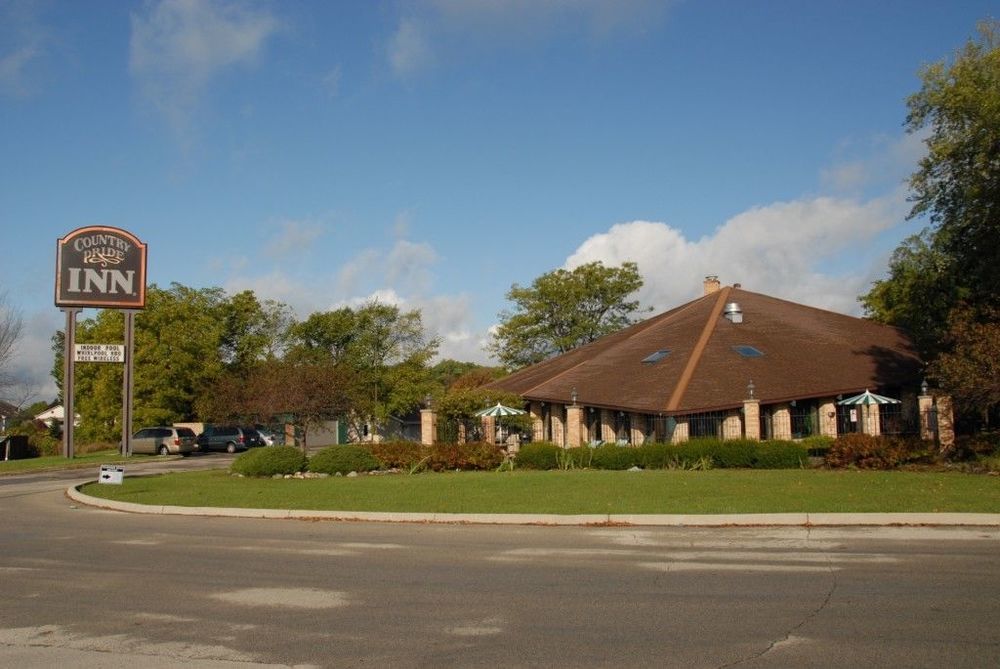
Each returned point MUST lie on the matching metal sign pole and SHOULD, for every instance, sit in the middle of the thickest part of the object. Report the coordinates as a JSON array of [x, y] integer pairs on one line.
[[127, 380], [69, 411]]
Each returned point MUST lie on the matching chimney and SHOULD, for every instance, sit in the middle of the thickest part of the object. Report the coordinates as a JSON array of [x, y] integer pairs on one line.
[[712, 284]]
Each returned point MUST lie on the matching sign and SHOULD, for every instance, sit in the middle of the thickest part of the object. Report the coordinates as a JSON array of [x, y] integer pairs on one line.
[[100, 266], [99, 353], [111, 474]]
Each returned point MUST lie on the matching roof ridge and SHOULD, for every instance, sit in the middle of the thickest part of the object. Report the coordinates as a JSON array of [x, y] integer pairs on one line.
[[699, 349]]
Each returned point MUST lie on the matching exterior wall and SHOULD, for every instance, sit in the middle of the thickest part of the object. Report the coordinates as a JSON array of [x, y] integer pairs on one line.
[[946, 422], [781, 422], [732, 425], [489, 429], [870, 420], [928, 426], [681, 431], [751, 419], [828, 417], [574, 426], [558, 426]]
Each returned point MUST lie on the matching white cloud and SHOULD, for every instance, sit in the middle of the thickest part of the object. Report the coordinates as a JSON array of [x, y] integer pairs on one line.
[[409, 264], [780, 249], [458, 26], [22, 42], [293, 237], [32, 360], [178, 46]]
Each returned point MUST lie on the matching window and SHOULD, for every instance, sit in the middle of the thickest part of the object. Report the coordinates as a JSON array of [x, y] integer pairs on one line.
[[748, 351], [657, 356]]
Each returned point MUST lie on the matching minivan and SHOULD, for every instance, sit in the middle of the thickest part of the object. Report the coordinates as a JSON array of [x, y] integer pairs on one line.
[[228, 438], [164, 440]]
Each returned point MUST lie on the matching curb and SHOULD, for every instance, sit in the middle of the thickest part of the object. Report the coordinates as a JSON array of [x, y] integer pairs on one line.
[[603, 520]]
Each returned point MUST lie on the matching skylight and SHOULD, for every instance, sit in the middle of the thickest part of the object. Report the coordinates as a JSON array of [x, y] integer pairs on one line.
[[656, 357], [748, 351]]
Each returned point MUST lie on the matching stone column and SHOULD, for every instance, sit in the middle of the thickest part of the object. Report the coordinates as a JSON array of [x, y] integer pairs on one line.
[[489, 429], [732, 425], [574, 426], [928, 426], [751, 419], [945, 422], [680, 431], [428, 426], [781, 422], [828, 417]]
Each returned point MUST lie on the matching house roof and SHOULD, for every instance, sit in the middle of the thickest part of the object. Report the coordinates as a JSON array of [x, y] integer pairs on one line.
[[804, 353]]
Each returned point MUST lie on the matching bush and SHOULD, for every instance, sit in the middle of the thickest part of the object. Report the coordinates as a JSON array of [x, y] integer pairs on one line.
[[343, 460], [538, 455], [610, 456], [817, 445], [870, 452], [396, 454], [468, 456], [973, 446], [656, 455], [269, 461], [779, 455]]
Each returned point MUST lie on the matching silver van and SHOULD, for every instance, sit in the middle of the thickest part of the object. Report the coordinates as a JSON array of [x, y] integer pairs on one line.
[[164, 440]]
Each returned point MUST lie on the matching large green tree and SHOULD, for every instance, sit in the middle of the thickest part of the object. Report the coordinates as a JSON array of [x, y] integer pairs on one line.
[[958, 183], [564, 309]]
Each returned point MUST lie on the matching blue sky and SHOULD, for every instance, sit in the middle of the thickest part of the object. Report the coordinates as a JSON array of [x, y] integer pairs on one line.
[[432, 154]]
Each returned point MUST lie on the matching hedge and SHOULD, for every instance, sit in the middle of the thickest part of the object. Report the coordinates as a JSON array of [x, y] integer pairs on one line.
[[269, 461], [343, 460]]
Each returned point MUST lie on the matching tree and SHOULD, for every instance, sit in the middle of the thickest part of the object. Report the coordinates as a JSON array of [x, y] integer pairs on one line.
[[253, 331], [958, 182], [305, 394], [970, 369], [564, 309], [11, 326]]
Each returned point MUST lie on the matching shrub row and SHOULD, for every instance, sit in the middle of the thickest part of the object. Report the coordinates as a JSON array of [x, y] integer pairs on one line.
[[694, 454], [348, 458]]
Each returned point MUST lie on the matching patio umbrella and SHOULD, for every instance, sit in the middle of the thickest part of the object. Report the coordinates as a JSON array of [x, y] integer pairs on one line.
[[868, 398], [865, 400], [498, 412]]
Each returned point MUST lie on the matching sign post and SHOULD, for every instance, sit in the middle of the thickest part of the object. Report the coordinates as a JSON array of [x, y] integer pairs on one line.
[[99, 267]]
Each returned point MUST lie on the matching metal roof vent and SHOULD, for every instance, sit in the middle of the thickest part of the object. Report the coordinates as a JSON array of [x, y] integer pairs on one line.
[[733, 312]]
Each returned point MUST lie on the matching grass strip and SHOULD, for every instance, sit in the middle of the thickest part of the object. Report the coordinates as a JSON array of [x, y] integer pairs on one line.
[[52, 462], [579, 492]]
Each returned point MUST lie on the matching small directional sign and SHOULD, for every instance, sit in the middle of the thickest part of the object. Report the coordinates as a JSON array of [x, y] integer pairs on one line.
[[111, 474]]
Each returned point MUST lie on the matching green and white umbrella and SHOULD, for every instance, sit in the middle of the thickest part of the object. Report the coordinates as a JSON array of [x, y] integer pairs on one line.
[[867, 399], [499, 411]]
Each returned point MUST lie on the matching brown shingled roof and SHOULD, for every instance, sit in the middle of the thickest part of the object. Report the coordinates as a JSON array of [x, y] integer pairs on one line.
[[807, 352]]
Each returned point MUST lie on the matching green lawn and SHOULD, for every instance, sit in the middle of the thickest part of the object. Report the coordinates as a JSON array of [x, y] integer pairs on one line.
[[59, 462], [579, 492]]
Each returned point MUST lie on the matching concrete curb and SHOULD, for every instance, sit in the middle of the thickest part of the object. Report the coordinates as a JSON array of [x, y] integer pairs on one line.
[[624, 520]]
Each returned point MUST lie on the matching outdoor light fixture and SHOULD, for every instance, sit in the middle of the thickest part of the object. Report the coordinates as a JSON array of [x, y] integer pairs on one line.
[[427, 400], [923, 387], [572, 395], [750, 389]]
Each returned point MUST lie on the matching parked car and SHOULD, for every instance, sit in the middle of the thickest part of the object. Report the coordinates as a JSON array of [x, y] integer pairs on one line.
[[229, 438], [164, 440], [267, 436]]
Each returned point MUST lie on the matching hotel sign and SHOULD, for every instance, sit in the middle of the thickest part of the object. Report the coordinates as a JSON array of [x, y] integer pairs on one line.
[[102, 267], [99, 353]]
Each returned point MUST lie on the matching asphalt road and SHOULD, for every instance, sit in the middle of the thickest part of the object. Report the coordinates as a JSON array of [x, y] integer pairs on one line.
[[84, 587]]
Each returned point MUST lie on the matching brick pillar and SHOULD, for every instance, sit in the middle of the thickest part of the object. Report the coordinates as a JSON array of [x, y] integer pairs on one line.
[[828, 417], [558, 426], [928, 426], [751, 419], [781, 422], [574, 426], [489, 429], [945, 422], [537, 423], [870, 417], [428, 426], [732, 425], [608, 426], [680, 431]]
